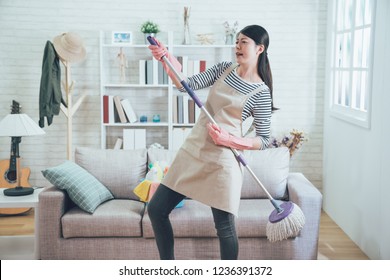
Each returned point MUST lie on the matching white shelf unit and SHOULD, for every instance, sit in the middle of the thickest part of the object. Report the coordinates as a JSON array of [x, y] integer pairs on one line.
[[148, 99]]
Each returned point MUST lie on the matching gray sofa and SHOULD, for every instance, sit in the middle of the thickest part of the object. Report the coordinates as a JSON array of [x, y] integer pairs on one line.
[[120, 228]]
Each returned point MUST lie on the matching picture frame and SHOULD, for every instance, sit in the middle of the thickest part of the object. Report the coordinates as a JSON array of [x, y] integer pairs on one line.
[[122, 37]]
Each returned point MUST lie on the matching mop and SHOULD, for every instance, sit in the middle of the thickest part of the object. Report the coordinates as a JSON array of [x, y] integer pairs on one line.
[[287, 219]]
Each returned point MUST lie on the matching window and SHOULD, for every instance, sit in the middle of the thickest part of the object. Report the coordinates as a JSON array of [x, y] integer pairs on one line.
[[351, 60]]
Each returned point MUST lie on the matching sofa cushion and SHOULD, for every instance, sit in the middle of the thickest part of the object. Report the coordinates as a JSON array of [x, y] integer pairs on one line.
[[82, 187], [253, 217], [119, 170], [195, 219], [271, 166], [117, 217]]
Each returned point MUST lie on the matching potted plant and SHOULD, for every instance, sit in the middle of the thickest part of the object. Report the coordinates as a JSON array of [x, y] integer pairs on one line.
[[149, 28]]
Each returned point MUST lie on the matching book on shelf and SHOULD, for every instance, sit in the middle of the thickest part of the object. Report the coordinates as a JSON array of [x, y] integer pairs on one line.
[[119, 108], [180, 117], [112, 111], [109, 111], [162, 75], [174, 108], [129, 111], [202, 66], [142, 71], [105, 109], [118, 144], [191, 111], [186, 100], [183, 109], [152, 73], [192, 66], [139, 138], [134, 139], [155, 64], [196, 66], [116, 109], [116, 114], [149, 72], [128, 139]]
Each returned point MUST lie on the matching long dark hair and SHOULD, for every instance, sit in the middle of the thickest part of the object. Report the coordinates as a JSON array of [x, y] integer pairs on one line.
[[261, 37]]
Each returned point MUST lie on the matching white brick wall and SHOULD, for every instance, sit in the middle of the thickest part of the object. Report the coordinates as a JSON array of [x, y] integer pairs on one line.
[[297, 53]]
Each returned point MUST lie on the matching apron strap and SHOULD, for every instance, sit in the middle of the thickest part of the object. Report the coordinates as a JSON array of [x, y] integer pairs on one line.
[[227, 71], [257, 90], [249, 124]]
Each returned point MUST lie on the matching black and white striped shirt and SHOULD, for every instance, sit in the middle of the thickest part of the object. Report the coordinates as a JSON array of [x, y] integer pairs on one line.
[[258, 105]]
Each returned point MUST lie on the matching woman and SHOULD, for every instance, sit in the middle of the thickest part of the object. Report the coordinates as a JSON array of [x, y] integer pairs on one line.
[[205, 169]]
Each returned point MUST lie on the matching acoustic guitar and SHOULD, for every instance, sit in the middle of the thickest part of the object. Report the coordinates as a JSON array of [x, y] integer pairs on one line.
[[8, 169]]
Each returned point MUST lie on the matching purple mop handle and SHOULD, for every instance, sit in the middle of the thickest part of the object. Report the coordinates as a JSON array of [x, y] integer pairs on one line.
[[193, 95], [183, 83]]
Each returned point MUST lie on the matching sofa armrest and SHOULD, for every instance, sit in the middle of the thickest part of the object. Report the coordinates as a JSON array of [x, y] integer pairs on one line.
[[304, 194], [53, 203]]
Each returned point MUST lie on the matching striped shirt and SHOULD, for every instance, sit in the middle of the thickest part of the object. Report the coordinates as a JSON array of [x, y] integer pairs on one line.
[[257, 106]]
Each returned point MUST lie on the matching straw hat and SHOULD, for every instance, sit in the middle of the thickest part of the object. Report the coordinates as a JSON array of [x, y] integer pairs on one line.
[[70, 47]]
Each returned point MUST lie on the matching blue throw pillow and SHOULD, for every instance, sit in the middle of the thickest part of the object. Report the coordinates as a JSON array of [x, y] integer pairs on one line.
[[82, 187]]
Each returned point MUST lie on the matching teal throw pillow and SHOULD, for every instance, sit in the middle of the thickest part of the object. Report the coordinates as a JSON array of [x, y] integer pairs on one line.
[[82, 187]]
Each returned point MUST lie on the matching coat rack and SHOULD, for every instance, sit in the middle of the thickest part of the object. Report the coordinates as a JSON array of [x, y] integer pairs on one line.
[[71, 109], [69, 48]]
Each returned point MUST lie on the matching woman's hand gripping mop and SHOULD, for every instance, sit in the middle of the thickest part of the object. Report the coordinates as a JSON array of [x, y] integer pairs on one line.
[[287, 219]]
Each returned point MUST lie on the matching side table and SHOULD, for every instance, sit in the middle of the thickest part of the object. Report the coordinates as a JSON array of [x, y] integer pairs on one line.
[[30, 201]]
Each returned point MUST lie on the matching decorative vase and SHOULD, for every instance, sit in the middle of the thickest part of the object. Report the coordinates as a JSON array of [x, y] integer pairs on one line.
[[146, 35], [187, 37], [229, 39]]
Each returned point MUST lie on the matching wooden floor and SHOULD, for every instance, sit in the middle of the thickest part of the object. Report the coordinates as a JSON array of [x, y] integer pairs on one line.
[[334, 244]]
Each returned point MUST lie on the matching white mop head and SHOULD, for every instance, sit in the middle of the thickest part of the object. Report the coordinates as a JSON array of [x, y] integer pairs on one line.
[[289, 226]]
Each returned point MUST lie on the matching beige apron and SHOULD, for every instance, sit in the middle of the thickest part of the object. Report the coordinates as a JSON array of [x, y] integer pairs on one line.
[[203, 170]]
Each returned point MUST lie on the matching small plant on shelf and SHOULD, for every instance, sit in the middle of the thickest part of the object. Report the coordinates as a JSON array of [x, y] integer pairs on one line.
[[149, 27]]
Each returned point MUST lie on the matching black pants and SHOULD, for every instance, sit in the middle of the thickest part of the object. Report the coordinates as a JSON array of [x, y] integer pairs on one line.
[[164, 201]]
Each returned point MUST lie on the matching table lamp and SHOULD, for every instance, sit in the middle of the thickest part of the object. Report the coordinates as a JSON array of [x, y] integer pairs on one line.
[[16, 125]]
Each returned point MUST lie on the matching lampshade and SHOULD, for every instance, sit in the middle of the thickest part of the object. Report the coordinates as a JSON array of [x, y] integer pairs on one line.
[[15, 125]]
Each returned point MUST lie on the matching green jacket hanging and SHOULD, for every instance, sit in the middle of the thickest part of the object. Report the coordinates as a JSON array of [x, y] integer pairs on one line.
[[50, 94]]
